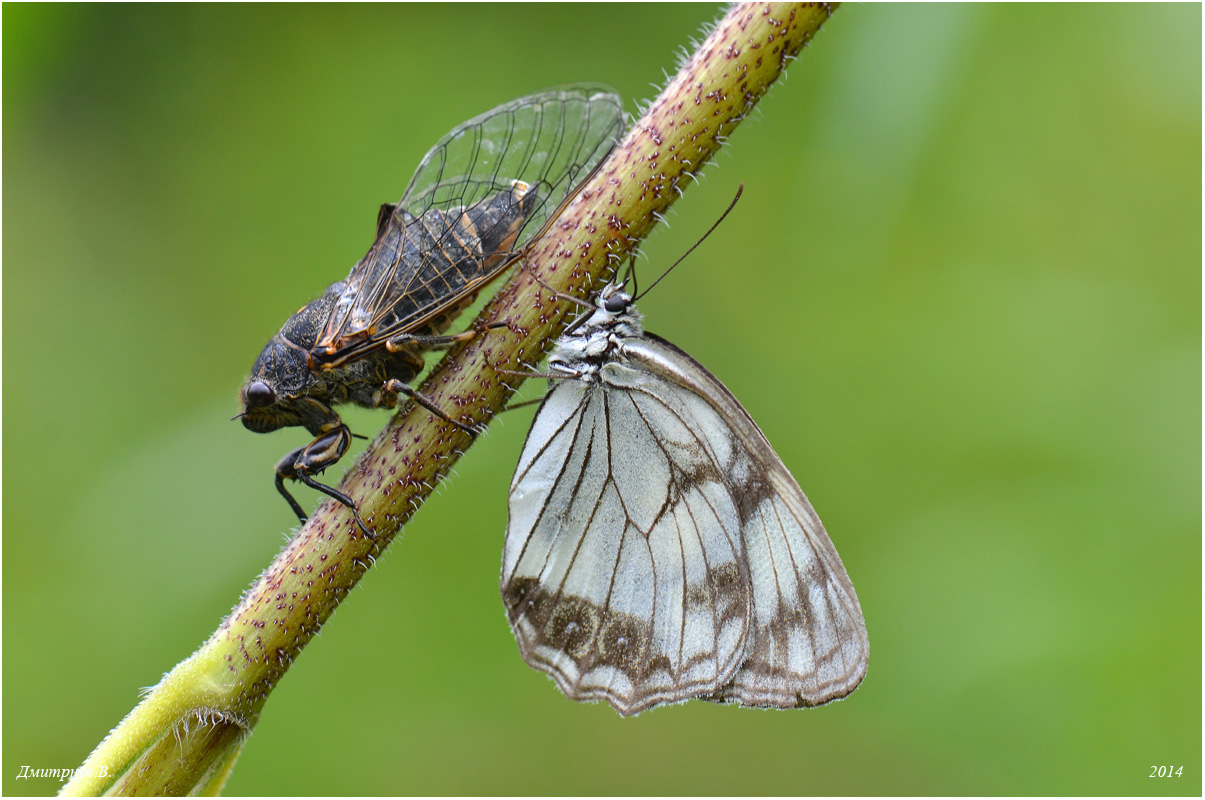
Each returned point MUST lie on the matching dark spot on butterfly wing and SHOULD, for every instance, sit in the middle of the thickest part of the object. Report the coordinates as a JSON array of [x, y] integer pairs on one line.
[[593, 636]]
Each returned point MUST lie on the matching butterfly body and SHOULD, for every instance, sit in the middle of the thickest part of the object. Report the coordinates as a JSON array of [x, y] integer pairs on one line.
[[658, 549]]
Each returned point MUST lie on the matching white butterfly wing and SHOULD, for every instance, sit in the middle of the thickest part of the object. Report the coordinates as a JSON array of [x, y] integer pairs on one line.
[[621, 580], [808, 642], [658, 549]]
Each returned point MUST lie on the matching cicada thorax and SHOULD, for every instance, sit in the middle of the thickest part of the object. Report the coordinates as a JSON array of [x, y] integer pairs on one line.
[[302, 395], [421, 273]]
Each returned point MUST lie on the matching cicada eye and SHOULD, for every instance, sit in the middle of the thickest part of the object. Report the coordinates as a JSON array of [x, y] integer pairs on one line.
[[616, 303], [260, 394]]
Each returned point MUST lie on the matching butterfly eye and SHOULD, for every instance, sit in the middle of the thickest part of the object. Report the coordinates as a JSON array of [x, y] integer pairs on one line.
[[260, 394], [615, 303]]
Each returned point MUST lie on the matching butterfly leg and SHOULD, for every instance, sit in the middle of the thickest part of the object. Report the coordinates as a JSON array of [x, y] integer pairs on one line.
[[563, 373], [302, 463], [562, 295], [532, 402], [572, 374]]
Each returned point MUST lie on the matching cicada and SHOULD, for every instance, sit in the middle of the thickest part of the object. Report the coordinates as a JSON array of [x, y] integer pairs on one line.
[[478, 199]]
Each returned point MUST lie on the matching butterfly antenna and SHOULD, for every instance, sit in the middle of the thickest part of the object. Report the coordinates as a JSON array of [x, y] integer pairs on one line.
[[631, 276], [731, 205]]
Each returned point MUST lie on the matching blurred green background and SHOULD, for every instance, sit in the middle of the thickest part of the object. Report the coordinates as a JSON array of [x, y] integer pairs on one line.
[[961, 295]]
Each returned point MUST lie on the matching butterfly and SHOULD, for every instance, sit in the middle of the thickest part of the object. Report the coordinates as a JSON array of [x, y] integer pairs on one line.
[[657, 548]]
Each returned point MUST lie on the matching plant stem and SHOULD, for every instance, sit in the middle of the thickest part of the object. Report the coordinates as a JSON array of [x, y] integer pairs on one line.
[[185, 735]]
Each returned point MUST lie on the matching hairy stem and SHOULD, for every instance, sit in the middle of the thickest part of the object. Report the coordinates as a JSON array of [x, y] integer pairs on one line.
[[186, 734]]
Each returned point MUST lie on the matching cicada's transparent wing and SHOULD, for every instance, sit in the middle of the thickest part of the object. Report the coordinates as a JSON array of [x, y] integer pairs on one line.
[[476, 200], [549, 140]]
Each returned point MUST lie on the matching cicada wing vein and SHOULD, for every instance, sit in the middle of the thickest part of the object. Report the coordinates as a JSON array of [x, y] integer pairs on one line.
[[468, 214]]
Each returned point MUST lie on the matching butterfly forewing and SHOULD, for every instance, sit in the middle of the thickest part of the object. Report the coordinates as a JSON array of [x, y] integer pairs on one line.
[[659, 550], [616, 595], [477, 199]]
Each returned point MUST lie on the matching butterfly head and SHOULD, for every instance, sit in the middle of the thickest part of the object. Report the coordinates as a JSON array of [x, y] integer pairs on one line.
[[590, 340], [613, 300], [615, 314]]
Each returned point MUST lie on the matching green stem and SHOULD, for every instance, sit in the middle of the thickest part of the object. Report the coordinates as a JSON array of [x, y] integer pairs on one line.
[[186, 734]]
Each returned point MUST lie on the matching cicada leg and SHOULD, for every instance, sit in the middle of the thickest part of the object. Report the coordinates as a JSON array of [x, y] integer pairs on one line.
[[304, 462], [404, 340], [393, 388], [406, 344]]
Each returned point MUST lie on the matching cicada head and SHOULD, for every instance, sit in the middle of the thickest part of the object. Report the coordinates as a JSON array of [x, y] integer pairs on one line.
[[283, 390], [273, 396]]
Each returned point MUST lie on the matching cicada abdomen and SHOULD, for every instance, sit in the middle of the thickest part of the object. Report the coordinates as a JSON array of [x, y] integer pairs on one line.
[[421, 273]]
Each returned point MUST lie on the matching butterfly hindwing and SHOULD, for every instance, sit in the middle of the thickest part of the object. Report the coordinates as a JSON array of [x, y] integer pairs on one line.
[[808, 641]]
